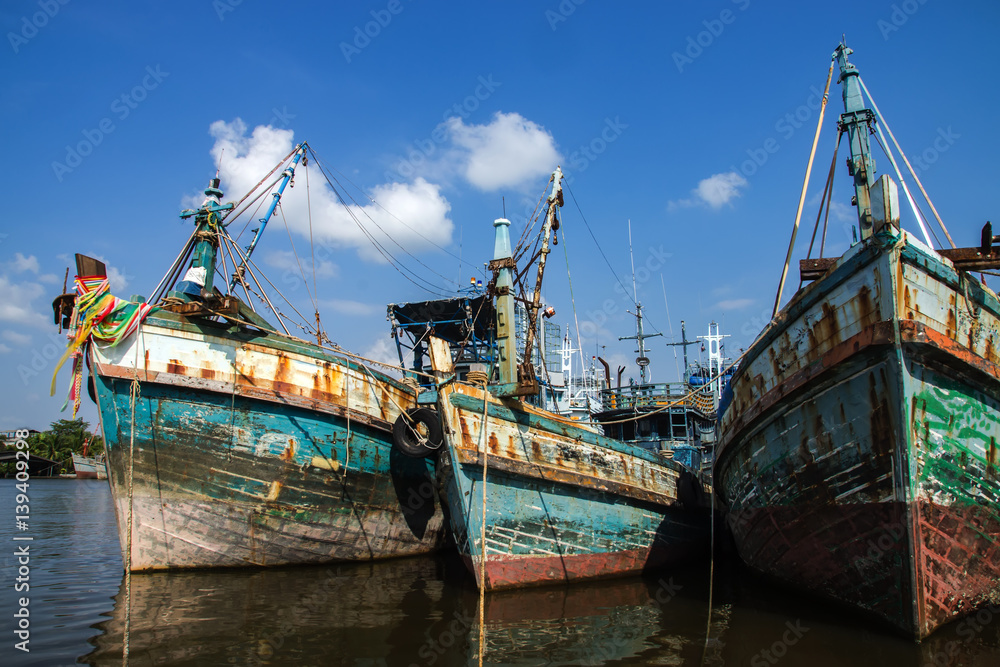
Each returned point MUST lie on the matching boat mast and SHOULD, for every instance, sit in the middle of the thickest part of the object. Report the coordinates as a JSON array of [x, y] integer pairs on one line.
[[684, 346], [198, 282], [502, 264], [300, 152], [855, 121], [527, 381], [642, 360]]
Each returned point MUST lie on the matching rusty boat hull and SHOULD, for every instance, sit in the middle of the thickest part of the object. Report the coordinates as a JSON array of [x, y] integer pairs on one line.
[[858, 455], [253, 449], [563, 503]]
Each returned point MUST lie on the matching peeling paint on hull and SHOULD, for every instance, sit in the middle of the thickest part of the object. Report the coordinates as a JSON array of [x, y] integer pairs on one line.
[[858, 456], [562, 502], [241, 453]]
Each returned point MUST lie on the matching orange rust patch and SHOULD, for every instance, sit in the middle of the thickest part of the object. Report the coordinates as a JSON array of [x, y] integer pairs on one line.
[[536, 450], [952, 329], [283, 376], [494, 444], [466, 438], [289, 453], [206, 373], [175, 366]]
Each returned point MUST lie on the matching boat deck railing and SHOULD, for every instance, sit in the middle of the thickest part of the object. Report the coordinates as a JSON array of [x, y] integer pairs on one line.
[[672, 394]]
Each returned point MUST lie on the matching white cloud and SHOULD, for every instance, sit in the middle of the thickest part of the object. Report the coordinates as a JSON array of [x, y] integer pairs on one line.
[[16, 305], [118, 280], [734, 304], [20, 264], [715, 191], [285, 260], [382, 351], [348, 307], [412, 215], [4, 349], [511, 151], [842, 211], [15, 337]]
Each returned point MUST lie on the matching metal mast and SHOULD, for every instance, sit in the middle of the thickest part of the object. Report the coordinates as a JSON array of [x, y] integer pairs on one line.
[[855, 122]]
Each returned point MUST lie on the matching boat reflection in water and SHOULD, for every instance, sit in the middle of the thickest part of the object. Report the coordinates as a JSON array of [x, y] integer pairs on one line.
[[423, 611], [419, 611]]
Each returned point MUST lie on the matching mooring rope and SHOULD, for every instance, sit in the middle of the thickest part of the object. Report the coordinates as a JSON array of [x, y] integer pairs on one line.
[[711, 563], [134, 390], [482, 529]]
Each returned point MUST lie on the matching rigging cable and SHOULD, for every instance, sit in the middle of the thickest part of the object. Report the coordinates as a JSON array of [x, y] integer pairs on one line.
[[388, 212], [389, 258]]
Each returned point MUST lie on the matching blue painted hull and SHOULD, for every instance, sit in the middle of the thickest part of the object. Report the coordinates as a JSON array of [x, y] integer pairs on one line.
[[562, 502]]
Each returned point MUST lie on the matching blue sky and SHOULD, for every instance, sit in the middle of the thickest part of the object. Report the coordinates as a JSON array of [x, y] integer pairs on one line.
[[691, 119]]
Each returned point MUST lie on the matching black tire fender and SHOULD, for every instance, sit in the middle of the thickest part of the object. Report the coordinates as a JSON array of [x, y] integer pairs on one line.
[[417, 432]]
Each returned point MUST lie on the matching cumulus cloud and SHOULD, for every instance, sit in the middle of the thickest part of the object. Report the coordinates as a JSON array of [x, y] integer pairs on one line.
[[382, 351], [21, 264], [734, 304], [16, 306], [15, 337], [118, 280], [352, 308], [715, 191], [510, 151], [412, 215], [286, 261]]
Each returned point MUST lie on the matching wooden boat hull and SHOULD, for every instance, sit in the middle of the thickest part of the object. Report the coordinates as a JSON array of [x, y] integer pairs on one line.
[[562, 502], [858, 457], [242, 455]]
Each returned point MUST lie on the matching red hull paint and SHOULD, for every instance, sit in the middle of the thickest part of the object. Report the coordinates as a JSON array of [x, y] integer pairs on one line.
[[958, 562], [860, 555], [521, 571]]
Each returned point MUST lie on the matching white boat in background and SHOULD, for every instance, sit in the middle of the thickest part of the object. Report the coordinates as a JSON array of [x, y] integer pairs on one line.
[[90, 467]]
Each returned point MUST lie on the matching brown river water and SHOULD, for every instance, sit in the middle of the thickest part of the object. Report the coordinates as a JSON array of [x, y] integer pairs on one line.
[[414, 612]]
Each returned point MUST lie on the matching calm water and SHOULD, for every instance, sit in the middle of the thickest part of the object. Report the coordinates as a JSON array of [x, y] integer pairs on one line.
[[418, 611]]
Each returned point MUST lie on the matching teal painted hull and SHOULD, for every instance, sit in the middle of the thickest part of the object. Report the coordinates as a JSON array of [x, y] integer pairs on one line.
[[287, 460], [858, 457]]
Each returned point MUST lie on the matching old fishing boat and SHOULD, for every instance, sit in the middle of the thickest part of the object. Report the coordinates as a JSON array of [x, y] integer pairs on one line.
[[231, 442], [676, 419], [535, 497], [89, 467], [858, 455]]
